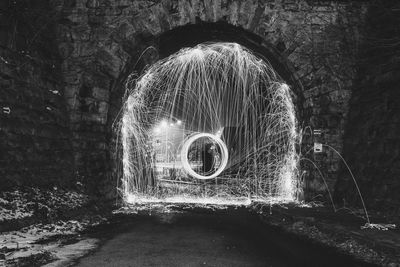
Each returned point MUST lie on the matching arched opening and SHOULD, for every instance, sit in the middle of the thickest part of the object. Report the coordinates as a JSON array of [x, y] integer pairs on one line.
[[193, 34], [210, 123], [148, 49]]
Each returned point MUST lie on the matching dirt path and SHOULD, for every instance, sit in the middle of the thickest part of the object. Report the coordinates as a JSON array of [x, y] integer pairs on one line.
[[234, 238]]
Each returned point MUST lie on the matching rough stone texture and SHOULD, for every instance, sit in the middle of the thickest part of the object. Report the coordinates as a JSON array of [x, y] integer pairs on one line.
[[372, 142], [34, 129], [101, 43]]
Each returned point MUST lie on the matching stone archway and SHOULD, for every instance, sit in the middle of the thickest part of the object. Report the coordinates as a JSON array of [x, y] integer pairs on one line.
[[158, 47], [101, 43], [181, 37]]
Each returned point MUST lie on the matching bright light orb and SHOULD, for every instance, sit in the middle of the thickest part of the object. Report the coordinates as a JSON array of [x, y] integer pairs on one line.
[[164, 123], [185, 151]]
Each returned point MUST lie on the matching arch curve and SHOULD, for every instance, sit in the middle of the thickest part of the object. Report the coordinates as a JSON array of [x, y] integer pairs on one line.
[[153, 48]]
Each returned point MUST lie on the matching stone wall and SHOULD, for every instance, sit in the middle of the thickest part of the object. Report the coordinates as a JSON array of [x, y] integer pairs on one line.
[[64, 65], [34, 129], [101, 43], [372, 143]]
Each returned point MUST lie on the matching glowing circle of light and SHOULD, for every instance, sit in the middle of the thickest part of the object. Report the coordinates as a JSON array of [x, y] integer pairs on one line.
[[185, 149]]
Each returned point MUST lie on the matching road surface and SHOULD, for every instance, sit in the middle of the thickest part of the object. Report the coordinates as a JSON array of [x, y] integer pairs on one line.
[[223, 238]]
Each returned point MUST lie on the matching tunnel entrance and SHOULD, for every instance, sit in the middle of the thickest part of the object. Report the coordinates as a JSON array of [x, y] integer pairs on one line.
[[209, 123]]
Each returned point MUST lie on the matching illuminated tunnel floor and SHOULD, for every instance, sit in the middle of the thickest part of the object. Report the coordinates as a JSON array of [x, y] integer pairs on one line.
[[205, 238]]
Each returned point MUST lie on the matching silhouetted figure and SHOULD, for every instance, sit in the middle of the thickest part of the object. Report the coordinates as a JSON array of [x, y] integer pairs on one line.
[[207, 158]]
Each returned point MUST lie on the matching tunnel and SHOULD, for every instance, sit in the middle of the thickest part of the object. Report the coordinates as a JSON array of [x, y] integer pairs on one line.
[[228, 99], [191, 133]]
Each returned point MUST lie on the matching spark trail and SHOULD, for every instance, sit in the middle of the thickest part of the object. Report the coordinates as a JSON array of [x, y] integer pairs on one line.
[[221, 89]]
